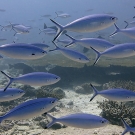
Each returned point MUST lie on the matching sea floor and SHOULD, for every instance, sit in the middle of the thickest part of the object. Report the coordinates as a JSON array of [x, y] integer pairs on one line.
[[73, 103]]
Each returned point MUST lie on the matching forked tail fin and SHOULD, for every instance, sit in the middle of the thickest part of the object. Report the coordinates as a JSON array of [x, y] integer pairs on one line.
[[117, 29], [59, 31], [98, 55], [57, 48], [56, 15], [2, 27], [126, 23], [53, 120], [72, 42], [10, 80], [127, 127], [95, 92], [12, 28]]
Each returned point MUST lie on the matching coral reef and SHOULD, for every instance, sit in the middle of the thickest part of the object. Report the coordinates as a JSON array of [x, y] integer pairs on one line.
[[113, 111], [46, 91], [29, 91], [130, 85]]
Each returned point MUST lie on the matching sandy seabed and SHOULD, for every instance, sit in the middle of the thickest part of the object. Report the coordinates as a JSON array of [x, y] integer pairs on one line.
[[81, 104]]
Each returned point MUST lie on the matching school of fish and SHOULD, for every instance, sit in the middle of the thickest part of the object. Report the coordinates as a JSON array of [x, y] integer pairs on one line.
[[30, 51]]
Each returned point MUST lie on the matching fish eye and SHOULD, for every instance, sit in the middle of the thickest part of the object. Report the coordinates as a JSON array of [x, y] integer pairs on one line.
[[112, 18], [52, 101], [102, 121], [33, 53], [128, 97], [79, 58], [43, 51]]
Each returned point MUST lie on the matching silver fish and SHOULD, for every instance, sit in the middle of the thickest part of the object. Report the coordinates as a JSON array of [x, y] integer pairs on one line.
[[130, 32], [47, 30], [71, 54], [116, 94], [117, 51], [10, 94], [34, 79], [129, 23], [79, 120], [63, 15], [127, 127], [86, 24], [5, 27], [2, 39], [41, 45], [65, 41], [54, 28], [22, 51], [98, 44], [30, 109], [21, 29]]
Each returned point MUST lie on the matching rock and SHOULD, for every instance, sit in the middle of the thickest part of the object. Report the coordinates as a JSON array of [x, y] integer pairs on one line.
[[58, 91], [30, 91], [22, 128], [70, 103], [23, 123], [79, 89], [57, 126], [43, 123], [39, 118], [34, 132]]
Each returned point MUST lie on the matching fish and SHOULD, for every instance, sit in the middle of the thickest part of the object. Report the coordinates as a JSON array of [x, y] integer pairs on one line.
[[54, 27], [30, 109], [79, 120], [65, 41], [33, 79], [2, 10], [89, 10], [130, 32], [129, 23], [19, 29], [117, 94], [98, 44], [90, 23], [11, 94], [51, 33], [117, 51], [5, 27], [47, 15], [71, 54], [127, 127], [41, 45], [22, 51], [2, 39], [47, 30], [63, 15]]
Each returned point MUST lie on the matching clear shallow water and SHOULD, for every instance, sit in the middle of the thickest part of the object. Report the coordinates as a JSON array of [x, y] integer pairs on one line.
[[31, 13]]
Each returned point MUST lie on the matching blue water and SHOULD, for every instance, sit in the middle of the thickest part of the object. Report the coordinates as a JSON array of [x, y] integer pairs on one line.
[[31, 12]]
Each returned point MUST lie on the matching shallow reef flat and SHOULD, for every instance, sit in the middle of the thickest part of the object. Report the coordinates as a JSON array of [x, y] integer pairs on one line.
[[80, 103], [60, 60]]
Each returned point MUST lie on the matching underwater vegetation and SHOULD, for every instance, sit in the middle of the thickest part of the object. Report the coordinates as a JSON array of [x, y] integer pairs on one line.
[[49, 92], [113, 110]]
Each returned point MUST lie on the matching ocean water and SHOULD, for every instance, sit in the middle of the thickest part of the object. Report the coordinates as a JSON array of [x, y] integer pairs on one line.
[[36, 13]]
